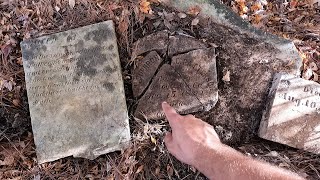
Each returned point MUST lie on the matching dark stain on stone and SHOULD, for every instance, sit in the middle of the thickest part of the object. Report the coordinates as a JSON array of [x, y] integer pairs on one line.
[[71, 37], [32, 49], [108, 86], [111, 47], [109, 69], [102, 33], [79, 45], [88, 60]]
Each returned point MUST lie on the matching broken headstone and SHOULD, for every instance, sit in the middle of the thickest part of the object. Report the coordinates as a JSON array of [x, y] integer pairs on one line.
[[155, 42], [181, 44], [144, 71], [247, 59], [292, 116], [188, 80], [75, 92]]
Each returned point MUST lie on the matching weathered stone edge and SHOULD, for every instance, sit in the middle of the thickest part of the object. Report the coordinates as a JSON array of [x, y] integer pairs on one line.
[[222, 14], [266, 113]]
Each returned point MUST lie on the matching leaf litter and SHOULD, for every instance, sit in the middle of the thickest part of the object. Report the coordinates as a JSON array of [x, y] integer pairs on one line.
[[147, 156]]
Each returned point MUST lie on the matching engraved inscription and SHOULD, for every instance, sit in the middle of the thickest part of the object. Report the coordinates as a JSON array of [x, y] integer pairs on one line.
[[75, 93], [300, 102], [186, 79]]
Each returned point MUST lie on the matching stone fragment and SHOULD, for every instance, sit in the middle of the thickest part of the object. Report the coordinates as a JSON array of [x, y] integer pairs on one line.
[[182, 43], [250, 55], [144, 71], [75, 92], [292, 116], [155, 42], [167, 86], [198, 69]]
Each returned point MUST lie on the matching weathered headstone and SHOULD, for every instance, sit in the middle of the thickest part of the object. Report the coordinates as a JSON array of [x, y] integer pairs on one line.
[[292, 116], [75, 92], [247, 57], [187, 81]]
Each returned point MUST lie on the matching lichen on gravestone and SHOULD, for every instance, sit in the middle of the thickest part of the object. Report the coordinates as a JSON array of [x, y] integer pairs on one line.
[[75, 93], [292, 116]]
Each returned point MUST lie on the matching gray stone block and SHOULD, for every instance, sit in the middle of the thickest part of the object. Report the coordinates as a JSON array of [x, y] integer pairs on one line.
[[187, 81], [292, 116], [75, 93]]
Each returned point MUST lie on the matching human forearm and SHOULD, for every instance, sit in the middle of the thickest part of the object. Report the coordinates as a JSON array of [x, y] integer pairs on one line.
[[226, 163]]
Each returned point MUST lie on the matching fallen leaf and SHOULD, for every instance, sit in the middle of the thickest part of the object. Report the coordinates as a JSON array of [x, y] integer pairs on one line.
[[315, 77], [145, 6], [8, 85], [140, 168], [57, 8], [293, 3], [226, 76], [169, 170], [182, 15], [256, 7], [8, 159], [313, 66], [19, 61], [307, 74], [153, 140], [273, 154], [194, 10], [72, 3], [195, 22], [157, 171], [169, 16], [16, 102], [6, 50], [284, 165]]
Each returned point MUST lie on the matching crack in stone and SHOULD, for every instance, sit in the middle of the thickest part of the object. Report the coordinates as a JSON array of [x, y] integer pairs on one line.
[[170, 49], [157, 71]]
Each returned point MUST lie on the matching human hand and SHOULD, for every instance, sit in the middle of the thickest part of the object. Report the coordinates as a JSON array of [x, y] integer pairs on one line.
[[190, 137]]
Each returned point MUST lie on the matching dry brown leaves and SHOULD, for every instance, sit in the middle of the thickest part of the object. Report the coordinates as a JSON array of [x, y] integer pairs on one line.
[[295, 20]]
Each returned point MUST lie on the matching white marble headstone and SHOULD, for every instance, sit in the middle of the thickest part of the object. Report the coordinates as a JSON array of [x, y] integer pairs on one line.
[[76, 93], [292, 116]]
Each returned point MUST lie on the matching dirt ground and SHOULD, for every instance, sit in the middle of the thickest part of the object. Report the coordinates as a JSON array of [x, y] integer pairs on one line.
[[147, 157]]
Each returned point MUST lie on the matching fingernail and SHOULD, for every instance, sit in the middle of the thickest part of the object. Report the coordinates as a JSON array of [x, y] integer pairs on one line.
[[164, 102]]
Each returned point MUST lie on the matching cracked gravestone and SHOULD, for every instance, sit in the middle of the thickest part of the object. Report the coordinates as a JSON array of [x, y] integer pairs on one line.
[[292, 116], [185, 76], [75, 93], [247, 59]]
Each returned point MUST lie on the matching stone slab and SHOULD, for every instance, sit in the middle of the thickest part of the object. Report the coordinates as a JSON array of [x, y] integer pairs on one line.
[[292, 116], [154, 42], [76, 93], [167, 86], [187, 81], [223, 15], [182, 43], [198, 69], [143, 73]]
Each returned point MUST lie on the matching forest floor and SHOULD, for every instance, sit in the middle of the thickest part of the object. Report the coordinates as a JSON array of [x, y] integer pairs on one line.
[[147, 157]]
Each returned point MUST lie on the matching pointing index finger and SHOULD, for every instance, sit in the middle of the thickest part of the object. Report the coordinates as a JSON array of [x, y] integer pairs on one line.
[[171, 114]]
